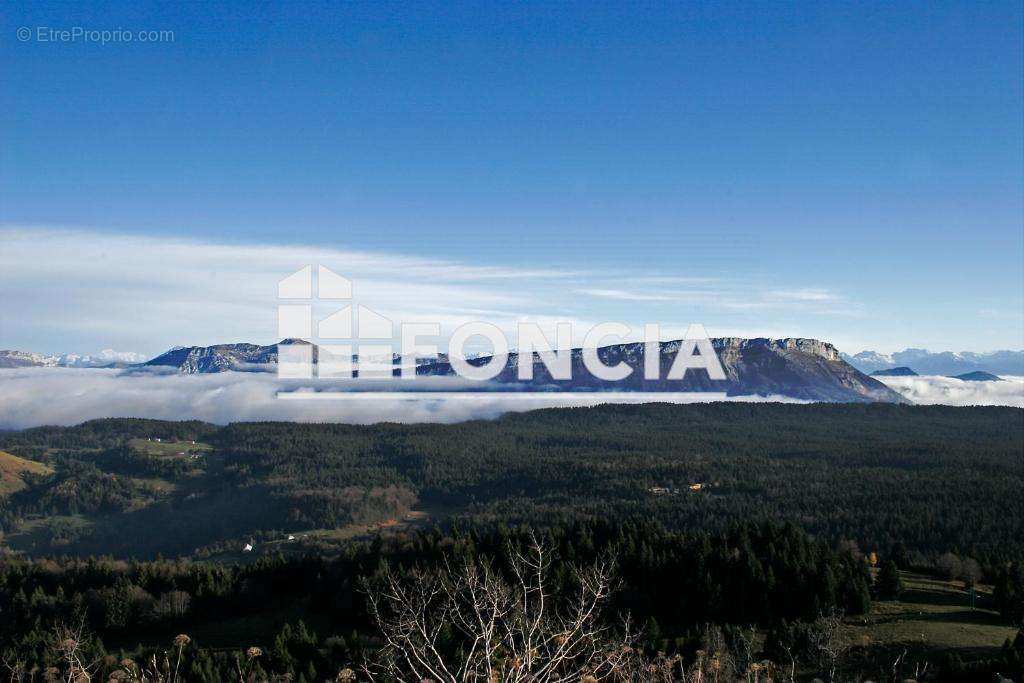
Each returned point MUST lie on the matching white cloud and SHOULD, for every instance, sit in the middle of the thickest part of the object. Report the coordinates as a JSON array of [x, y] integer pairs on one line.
[[806, 294], [68, 290], [59, 396], [156, 292], [622, 295], [120, 356], [928, 389]]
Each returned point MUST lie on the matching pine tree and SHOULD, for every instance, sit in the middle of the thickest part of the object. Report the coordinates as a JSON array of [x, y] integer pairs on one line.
[[888, 585]]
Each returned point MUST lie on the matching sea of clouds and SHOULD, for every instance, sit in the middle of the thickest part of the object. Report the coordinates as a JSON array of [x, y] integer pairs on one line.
[[35, 396], [31, 397], [932, 390]]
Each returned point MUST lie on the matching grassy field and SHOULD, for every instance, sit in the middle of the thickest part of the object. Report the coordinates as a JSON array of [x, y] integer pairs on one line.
[[49, 533], [933, 616], [170, 449], [11, 470], [324, 541]]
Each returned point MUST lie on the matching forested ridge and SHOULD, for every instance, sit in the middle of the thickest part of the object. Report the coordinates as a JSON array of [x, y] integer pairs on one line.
[[934, 479]]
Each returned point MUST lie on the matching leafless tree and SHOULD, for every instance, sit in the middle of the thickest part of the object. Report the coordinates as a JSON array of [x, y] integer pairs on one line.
[[715, 660], [948, 565], [828, 643], [476, 624], [246, 669], [172, 605], [789, 648], [970, 572], [746, 648], [897, 665], [69, 646], [156, 669], [15, 669]]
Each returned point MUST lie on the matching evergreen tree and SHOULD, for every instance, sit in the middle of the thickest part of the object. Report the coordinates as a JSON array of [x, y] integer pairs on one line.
[[1009, 594], [889, 585]]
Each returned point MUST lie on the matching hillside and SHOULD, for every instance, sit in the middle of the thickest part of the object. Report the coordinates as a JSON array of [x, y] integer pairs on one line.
[[872, 472], [11, 470], [932, 617]]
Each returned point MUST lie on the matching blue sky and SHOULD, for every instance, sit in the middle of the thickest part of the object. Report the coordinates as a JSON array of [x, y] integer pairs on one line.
[[852, 171]]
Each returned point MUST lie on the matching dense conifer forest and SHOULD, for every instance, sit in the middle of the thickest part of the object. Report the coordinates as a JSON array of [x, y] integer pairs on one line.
[[932, 479]]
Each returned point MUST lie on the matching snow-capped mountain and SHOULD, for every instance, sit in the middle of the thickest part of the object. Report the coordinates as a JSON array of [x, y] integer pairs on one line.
[[106, 358], [26, 359], [870, 361], [924, 362]]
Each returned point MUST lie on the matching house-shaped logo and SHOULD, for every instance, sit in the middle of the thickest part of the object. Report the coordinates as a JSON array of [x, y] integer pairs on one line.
[[352, 332]]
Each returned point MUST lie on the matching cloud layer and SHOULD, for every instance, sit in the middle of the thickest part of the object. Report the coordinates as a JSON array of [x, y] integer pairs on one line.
[[931, 390], [31, 397]]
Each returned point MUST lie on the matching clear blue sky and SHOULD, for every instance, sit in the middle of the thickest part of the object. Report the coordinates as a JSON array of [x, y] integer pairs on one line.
[[873, 150]]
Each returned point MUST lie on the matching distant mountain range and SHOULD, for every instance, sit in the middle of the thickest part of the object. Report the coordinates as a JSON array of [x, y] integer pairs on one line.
[[798, 368], [794, 367], [108, 358], [924, 362]]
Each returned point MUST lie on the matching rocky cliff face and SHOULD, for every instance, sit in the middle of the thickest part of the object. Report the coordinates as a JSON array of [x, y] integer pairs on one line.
[[739, 345], [192, 360], [799, 368]]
